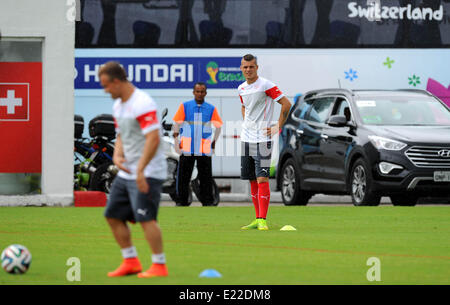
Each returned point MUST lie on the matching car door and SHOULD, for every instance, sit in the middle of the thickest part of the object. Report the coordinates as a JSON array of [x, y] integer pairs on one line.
[[313, 156], [295, 128], [336, 145]]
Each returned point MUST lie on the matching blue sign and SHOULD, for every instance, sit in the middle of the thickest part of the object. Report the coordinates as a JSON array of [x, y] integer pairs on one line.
[[165, 72]]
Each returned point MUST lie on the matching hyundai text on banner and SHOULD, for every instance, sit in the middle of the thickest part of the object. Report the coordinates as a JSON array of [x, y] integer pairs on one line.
[[165, 72]]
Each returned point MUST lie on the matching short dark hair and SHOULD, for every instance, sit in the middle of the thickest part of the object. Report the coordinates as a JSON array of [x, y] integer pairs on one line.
[[250, 57], [114, 70], [200, 84]]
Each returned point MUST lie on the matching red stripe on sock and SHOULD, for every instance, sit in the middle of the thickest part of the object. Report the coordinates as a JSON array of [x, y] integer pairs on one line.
[[264, 198], [254, 192]]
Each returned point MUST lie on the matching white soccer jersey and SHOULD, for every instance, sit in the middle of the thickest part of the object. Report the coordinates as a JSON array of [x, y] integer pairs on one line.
[[134, 119], [258, 99]]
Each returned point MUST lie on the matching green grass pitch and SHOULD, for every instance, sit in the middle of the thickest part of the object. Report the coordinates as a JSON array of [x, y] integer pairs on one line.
[[331, 245]]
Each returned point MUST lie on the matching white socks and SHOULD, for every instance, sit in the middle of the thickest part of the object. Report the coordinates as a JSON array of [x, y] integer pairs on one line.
[[159, 258], [129, 252]]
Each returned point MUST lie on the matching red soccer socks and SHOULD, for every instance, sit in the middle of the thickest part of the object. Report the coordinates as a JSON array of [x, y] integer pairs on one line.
[[263, 199], [254, 193]]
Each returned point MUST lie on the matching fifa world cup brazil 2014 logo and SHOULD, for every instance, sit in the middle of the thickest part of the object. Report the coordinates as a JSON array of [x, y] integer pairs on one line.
[[212, 68]]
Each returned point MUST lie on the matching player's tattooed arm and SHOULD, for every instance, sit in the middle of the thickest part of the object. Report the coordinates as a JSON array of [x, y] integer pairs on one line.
[[285, 107]]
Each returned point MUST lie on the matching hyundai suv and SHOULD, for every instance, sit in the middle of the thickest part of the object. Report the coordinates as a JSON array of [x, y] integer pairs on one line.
[[365, 143]]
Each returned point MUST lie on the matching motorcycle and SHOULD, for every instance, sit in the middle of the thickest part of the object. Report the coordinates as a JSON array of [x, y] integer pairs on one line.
[[102, 168], [93, 166], [94, 169], [173, 158]]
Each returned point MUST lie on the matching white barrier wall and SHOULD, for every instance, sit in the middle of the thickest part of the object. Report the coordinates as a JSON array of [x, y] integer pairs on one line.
[[53, 23]]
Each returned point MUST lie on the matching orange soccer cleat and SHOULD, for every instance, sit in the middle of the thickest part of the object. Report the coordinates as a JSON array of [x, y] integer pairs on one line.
[[154, 271], [128, 266]]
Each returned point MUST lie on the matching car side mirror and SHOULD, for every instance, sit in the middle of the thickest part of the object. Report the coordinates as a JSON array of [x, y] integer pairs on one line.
[[337, 121]]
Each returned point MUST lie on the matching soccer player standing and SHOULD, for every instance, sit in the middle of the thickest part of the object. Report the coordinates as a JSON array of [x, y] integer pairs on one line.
[[258, 96], [136, 190]]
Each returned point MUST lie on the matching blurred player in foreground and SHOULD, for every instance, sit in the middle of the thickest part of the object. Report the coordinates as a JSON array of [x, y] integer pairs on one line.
[[136, 191]]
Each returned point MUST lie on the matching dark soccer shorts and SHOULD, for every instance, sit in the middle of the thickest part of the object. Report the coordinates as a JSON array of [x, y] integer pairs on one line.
[[255, 160], [127, 203]]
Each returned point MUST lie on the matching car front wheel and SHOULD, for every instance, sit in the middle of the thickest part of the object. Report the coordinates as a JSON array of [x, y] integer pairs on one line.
[[361, 185], [291, 192]]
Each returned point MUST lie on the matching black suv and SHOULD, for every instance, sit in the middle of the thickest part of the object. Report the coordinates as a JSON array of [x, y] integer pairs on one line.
[[366, 143]]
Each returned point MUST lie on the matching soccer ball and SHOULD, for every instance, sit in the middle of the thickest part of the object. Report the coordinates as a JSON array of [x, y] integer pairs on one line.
[[16, 259]]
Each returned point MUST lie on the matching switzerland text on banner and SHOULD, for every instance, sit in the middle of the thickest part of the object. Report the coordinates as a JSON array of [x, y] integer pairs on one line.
[[20, 117]]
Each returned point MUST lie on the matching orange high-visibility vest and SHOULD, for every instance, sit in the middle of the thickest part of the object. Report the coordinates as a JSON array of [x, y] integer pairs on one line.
[[196, 131]]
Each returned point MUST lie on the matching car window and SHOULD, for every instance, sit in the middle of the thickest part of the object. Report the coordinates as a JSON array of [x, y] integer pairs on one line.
[[403, 111], [320, 110], [302, 109], [342, 108]]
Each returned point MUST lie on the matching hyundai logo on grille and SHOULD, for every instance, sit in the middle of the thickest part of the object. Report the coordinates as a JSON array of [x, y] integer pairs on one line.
[[444, 153]]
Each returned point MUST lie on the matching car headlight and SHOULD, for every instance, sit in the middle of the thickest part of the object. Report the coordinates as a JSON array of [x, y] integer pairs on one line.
[[387, 144]]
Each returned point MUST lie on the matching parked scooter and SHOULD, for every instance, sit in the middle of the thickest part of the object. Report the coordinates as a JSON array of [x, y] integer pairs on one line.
[[173, 157]]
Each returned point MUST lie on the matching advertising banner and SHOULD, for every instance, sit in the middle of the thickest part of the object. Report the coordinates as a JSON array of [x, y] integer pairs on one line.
[[165, 72], [21, 117]]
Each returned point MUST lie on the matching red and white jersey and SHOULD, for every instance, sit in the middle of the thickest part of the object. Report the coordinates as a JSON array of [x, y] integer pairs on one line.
[[259, 100], [134, 119]]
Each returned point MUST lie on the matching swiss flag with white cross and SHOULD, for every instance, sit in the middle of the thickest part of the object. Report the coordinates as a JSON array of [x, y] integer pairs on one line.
[[21, 117], [14, 101]]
